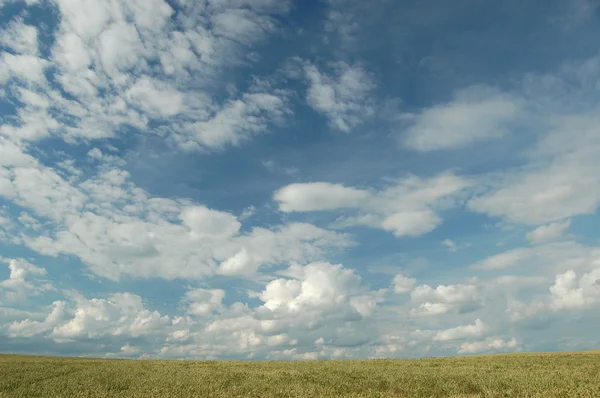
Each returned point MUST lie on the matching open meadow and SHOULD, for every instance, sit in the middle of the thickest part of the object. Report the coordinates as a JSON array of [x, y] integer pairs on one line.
[[516, 375]]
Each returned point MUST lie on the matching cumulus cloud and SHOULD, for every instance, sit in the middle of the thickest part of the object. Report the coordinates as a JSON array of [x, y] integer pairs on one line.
[[203, 301], [122, 314], [461, 332], [319, 310], [155, 98], [317, 302], [574, 287], [489, 344], [411, 223], [406, 208], [295, 242], [130, 246], [445, 299], [28, 328], [25, 280], [319, 196], [403, 284], [569, 292], [117, 229], [315, 286], [207, 223]]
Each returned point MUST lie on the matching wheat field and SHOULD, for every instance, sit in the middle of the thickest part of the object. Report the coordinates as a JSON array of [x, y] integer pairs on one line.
[[515, 375]]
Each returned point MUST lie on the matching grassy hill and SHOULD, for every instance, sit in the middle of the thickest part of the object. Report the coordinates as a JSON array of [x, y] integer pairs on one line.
[[516, 375]]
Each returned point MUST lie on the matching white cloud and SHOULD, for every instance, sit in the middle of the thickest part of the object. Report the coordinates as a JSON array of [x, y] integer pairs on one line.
[[21, 38], [35, 119], [70, 53], [403, 284], [319, 310], [88, 18], [41, 190], [29, 328], [155, 98], [119, 48], [11, 154], [319, 302], [521, 312], [25, 280], [570, 293], [317, 284], [319, 299], [342, 19], [239, 264], [319, 196], [236, 122], [117, 229], [507, 259], [449, 244], [491, 344], [121, 314], [545, 195], [241, 25], [550, 232], [555, 256], [27, 68], [139, 248], [475, 114], [20, 269], [343, 96], [95, 153], [411, 223], [202, 302], [23, 64], [271, 6], [150, 14], [207, 223], [406, 208], [106, 52], [462, 332], [296, 242], [450, 299], [576, 284], [558, 180], [142, 241]]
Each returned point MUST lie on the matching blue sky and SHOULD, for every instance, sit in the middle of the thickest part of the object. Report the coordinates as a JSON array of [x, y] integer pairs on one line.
[[298, 180]]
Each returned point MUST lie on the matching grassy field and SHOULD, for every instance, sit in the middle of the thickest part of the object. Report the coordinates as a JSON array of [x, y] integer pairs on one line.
[[520, 375]]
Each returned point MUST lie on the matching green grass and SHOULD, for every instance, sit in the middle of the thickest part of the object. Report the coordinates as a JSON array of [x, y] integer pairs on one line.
[[517, 375]]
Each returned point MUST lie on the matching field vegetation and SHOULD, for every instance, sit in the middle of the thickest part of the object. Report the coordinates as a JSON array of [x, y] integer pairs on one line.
[[516, 375]]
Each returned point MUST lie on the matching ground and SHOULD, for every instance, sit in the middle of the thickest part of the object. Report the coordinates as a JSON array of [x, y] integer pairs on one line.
[[516, 375]]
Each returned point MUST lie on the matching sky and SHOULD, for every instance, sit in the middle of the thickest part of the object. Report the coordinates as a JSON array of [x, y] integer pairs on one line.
[[293, 180]]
